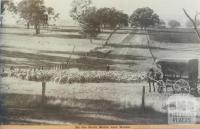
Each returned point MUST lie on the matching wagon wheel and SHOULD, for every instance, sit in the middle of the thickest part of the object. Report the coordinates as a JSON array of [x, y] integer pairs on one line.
[[161, 86], [181, 86]]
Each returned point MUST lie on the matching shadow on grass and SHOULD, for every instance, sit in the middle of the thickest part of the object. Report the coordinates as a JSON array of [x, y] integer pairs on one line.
[[35, 60], [173, 37], [3, 112], [136, 46], [99, 55], [43, 35], [93, 60], [79, 111], [117, 56]]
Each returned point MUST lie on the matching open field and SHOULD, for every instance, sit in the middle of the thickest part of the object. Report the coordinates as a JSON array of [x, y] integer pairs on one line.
[[56, 45], [106, 102], [100, 103], [174, 35], [129, 51]]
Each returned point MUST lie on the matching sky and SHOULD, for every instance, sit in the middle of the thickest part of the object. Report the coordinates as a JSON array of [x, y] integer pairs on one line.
[[166, 9]]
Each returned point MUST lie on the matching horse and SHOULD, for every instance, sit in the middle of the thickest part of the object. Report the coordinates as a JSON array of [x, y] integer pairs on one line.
[[151, 79], [154, 76]]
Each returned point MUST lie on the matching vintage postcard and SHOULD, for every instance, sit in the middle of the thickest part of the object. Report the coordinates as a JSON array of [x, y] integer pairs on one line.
[[100, 62]]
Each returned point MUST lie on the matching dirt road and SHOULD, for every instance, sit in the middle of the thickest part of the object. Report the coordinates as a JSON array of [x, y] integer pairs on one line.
[[134, 50]]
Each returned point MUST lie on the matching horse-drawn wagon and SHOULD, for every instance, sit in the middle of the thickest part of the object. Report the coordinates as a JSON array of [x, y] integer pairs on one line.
[[181, 75]]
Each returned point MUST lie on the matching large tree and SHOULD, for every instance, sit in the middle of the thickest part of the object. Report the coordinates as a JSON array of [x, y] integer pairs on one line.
[[85, 15], [144, 17], [174, 23], [92, 20], [89, 23], [111, 17], [35, 13]]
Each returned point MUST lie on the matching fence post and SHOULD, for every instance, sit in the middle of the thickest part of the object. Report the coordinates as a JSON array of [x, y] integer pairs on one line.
[[43, 92], [143, 98]]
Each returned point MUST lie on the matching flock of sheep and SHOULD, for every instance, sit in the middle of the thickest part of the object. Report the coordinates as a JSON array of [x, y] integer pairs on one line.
[[29, 74], [74, 76]]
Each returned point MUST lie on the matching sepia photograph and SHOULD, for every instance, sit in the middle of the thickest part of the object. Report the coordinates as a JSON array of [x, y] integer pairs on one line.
[[99, 62]]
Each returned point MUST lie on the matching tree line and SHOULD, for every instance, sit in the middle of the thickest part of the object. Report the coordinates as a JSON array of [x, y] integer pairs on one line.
[[91, 20]]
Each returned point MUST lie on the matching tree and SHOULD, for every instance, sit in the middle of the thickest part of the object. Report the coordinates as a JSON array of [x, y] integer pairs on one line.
[[161, 24], [92, 20], [144, 17], [83, 13], [174, 24], [51, 14], [103, 15], [112, 18], [79, 7], [90, 23], [35, 13], [123, 19]]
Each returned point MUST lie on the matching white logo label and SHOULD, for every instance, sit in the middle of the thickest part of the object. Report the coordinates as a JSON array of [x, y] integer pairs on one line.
[[182, 109]]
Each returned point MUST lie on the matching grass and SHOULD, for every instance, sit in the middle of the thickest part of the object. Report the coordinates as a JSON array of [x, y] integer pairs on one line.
[[56, 49], [24, 107], [3, 111], [88, 103], [174, 36], [35, 102]]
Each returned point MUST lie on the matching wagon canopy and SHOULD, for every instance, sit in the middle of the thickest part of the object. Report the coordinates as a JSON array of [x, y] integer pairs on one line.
[[182, 67]]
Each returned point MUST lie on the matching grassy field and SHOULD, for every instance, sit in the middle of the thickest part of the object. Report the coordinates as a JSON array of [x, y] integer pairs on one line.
[[174, 35], [48, 49], [105, 103], [129, 51], [87, 103]]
